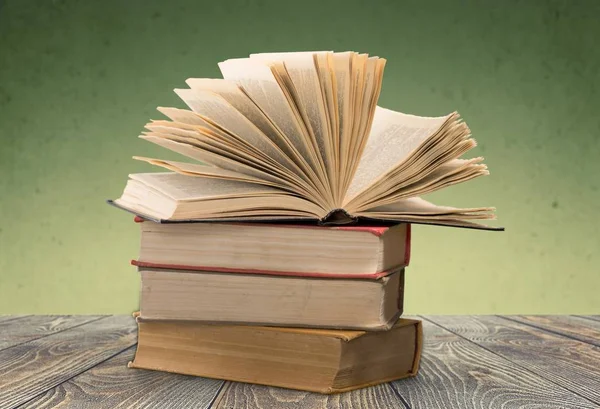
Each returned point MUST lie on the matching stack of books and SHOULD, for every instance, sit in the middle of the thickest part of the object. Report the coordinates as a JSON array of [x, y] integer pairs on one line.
[[276, 253], [296, 306]]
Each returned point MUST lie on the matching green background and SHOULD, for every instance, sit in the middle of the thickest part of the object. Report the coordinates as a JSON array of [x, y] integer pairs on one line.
[[78, 80]]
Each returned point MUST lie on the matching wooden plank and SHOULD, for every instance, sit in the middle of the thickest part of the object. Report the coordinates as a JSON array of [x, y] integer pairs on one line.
[[6, 318], [28, 328], [567, 363], [589, 317], [456, 373], [28, 369], [112, 385], [249, 396], [567, 325]]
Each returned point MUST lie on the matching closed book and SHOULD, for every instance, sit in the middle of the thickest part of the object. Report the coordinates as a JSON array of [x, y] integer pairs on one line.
[[361, 251], [318, 360], [272, 299]]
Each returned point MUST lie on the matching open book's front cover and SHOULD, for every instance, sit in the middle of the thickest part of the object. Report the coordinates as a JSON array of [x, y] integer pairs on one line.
[[337, 217]]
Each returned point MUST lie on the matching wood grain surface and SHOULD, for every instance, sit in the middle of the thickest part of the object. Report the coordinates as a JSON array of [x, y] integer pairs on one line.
[[112, 385], [457, 373], [572, 327], [28, 328], [566, 362], [6, 318], [31, 368], [468, 362], [242, 395], [588, 317]]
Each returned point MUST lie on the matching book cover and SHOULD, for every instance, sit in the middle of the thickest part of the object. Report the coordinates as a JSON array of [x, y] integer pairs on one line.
[[317, 360]]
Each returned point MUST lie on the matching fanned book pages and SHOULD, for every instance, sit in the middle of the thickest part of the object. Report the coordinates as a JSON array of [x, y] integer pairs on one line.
[[299, 136]]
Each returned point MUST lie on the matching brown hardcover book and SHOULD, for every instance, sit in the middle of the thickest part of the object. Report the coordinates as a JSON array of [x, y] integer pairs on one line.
[[318, 360], [276, 300]]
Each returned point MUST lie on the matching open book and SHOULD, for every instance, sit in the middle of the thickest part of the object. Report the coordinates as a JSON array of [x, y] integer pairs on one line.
[[299, 136]]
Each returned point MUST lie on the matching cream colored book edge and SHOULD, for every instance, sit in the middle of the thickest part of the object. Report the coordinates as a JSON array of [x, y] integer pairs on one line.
[[334, 251], [267, 300]]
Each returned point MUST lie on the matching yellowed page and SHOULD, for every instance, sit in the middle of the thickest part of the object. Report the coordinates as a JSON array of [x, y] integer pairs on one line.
[[305, 77], [165, 198], [258, 82], [418, 206], [199, 135], [341, 70], [305, 88], [234, 160], [437, 220], [251, 204], [417, 210], [219, 111], [177, 128], [453, 172], [178, 197], [463, 175], [324, 64], [191, 121], [279, 56], [359, 66], [450, 142], [221, 138], [211, 158], [193, 170], [191, 125], [214, 145], [357, 76], [372, 84], [188, 188], [184, 116], [288, 88], [394, 137], [199, 197], [233, 94]]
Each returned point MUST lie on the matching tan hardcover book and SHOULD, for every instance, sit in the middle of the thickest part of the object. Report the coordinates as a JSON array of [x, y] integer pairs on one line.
[[299, 136], [372, 304], [318, 360], [349, 251]]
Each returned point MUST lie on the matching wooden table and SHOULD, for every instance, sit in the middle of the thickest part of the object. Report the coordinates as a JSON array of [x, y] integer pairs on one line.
[[468, 362]]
